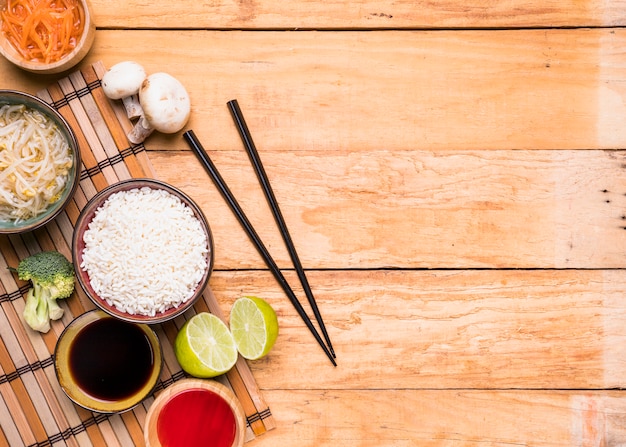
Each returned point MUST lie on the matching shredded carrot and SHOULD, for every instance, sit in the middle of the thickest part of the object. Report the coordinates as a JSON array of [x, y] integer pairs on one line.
[[43, 30]]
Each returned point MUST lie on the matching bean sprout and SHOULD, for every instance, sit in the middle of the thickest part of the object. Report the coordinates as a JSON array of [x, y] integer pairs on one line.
[[35, 160]]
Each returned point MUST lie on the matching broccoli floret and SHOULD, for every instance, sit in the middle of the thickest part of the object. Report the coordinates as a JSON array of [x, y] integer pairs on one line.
[[52, 278]]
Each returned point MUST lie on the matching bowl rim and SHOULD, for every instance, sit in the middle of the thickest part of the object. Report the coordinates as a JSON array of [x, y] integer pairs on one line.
[[191, 383], [82, 399], [85, 217], [66, 62], [52, 212]]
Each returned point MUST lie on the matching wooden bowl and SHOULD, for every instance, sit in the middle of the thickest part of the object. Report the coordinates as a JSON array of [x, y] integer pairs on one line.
[[63, 64], [212, 415]]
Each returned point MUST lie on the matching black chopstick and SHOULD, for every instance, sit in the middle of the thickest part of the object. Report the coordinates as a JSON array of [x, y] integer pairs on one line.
[[246, 137], [197, 148]]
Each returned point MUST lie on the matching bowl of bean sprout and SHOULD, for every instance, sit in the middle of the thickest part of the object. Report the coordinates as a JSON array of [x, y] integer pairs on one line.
[[39, 162]]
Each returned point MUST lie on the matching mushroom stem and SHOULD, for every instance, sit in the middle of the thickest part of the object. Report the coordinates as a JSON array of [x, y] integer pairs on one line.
[[140, 131], [166, 107], [132, 106]]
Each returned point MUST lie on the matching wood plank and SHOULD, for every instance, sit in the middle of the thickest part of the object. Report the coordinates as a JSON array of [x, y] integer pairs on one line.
[[481, 329], [500, 146], [396, 90], [465, 209], [406, 418], [368, 14]]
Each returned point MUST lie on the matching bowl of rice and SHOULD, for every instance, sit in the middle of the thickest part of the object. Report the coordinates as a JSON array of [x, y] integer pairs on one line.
[[142, 251], [39, 162]]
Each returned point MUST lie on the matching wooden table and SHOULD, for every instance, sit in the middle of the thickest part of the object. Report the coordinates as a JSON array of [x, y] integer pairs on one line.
[[453, 176]]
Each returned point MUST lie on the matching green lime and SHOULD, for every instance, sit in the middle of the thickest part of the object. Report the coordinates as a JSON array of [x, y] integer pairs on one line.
[[205, 347], [254, 326]]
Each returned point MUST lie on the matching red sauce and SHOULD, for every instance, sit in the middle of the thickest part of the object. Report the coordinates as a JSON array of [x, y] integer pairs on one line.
[[196, 418]]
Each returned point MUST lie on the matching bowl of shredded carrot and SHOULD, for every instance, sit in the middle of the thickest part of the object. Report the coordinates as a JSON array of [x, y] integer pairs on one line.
[[45, 36]]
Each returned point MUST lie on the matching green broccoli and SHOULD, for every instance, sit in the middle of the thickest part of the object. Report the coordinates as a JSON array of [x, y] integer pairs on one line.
[[52, 278]]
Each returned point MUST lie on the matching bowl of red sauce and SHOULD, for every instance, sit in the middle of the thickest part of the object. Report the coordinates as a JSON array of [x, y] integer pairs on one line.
[[195, 413], [46, 36]]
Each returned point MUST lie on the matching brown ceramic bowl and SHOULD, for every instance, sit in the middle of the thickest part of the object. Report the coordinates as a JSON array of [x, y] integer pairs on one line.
[[61, 65], [78, 247], [107, 365], [211, 415], [30, 101]]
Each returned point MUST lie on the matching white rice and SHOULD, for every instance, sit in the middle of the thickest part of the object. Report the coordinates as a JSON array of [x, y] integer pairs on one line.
[[145, 251]]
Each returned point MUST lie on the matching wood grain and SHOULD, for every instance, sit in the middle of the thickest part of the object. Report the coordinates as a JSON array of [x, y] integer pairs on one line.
[[367, 14], [418, 209], [300, 91], [405, 418], [483, 329]]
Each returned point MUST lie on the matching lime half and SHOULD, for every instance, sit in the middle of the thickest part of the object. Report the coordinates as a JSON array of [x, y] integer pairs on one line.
[[204, 346], [254, 326]]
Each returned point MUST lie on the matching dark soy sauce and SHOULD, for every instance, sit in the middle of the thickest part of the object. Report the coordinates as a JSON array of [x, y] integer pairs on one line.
[[111, 359]]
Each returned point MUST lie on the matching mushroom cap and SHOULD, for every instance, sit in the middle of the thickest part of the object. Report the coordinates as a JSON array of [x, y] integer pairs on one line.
[[123, 79], [165, 102]]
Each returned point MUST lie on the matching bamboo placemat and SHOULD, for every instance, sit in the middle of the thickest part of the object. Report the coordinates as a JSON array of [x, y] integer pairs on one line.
[[34, 411]]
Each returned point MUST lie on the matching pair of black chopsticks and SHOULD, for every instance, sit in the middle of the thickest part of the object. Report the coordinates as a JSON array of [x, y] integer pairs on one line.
[[197, 148]]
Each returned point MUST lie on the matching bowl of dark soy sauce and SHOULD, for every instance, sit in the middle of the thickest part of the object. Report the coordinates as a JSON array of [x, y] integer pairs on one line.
[[105, 364]]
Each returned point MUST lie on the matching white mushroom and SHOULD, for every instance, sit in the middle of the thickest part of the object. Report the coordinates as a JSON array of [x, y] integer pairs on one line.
[[122, 81], [166, 107]]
